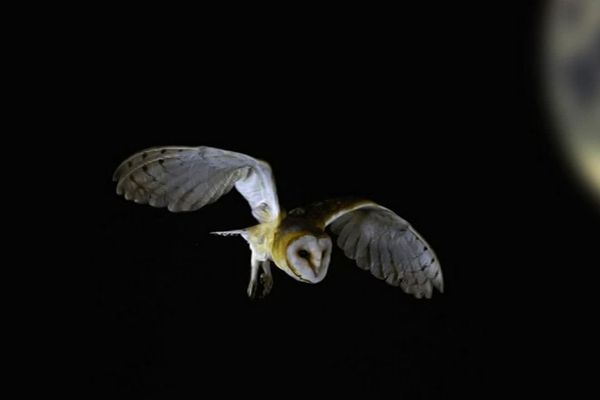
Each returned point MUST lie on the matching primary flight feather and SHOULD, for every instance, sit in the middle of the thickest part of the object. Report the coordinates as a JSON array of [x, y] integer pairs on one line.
[[188, 178]]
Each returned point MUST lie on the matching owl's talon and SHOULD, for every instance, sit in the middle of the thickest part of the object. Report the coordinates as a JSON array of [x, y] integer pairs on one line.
[[252, 289], [266, 281], [266, 278], [253, 285]]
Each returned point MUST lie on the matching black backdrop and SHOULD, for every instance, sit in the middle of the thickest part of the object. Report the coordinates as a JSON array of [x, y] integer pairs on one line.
[[438, 117]]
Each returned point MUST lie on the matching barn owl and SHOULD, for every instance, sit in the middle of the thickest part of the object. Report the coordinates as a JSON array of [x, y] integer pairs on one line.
[[188, 178]]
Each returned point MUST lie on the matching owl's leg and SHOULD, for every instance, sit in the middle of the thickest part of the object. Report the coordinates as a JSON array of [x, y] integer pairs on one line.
[[253, 285], [266, 278]]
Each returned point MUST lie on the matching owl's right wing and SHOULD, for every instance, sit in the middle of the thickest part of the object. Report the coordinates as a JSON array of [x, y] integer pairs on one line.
[[381, 242], [188, 178]]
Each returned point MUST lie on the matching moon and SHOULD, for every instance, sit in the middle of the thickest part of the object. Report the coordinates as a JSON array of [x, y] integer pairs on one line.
[[572, 73]]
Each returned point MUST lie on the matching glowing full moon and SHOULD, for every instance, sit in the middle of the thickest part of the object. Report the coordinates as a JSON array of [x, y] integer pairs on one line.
[[572, 62]]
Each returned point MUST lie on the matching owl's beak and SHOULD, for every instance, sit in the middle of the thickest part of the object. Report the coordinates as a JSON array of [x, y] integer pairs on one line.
[[318, 260], [315, 266]]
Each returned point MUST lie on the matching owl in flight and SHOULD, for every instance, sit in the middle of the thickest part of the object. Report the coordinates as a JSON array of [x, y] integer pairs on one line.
[[188, 178]]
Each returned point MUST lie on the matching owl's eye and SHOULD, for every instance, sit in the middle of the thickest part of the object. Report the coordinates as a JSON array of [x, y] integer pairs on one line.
[[303, 253]]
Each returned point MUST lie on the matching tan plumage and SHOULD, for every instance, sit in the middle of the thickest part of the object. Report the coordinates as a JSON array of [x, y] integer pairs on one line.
[[188, 178]]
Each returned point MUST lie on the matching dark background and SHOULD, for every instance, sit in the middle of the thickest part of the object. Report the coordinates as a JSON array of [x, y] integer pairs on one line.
[[437, 115]]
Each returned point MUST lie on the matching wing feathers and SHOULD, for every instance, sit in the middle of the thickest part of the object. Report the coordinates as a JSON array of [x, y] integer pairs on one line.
[[362, 251], [385, 257], [382, 242], [376, 265], [351, 244], [146, 156], [188, 178]]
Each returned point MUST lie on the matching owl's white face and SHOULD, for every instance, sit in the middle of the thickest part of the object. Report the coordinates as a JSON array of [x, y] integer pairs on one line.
[[308, 258]]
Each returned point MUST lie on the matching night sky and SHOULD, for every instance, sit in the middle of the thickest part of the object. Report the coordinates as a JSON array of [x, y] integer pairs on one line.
[[443, 124]]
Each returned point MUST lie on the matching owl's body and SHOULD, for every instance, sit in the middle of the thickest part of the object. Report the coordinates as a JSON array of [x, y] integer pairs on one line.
[[308, 221], [188, 178]]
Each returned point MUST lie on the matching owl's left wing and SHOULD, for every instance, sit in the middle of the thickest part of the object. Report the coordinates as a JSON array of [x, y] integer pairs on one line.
[[382, 243]]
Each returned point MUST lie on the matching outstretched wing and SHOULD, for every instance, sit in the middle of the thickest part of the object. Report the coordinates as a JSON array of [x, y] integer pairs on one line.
[[383, 243], [188, 178]]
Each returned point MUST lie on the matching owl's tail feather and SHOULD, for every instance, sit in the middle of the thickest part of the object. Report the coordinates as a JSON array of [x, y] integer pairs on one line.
[[241, 232]]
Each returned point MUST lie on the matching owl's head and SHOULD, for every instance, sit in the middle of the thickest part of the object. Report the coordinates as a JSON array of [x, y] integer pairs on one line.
[[308, 257]]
